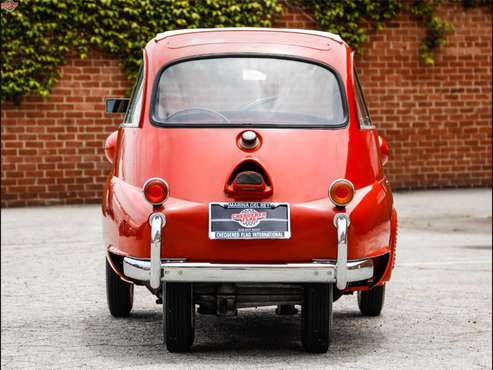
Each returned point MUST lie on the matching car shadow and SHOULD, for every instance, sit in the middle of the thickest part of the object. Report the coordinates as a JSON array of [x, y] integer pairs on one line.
[[253, 332]]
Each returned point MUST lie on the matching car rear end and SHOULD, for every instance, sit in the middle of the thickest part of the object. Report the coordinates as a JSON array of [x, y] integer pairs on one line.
[[273, 193]]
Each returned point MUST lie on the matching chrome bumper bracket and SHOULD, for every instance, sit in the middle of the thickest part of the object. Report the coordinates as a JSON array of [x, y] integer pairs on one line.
[[157, 222], [341, 222]]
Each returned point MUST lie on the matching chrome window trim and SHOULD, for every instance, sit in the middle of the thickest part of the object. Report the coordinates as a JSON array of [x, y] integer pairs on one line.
[[365, 123], [137, 91]]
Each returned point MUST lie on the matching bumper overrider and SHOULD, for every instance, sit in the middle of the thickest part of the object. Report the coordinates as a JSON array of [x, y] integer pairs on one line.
[[156, 271]]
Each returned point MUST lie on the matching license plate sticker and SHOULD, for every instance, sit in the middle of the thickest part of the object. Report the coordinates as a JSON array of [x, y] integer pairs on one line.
[[249, 220]]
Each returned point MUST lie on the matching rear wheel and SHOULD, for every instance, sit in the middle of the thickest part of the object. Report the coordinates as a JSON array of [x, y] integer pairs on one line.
[[120, 294], [316, 316], [370, 302], [179, 317]]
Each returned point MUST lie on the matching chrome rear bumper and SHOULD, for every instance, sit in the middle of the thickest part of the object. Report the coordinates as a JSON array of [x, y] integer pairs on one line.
[[315, 272], [156, 270]]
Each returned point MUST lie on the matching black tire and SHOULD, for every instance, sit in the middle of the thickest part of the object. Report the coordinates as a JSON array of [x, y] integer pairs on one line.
[[119, 294], [337, 294], [370, 302], [179, 317], [316, 317]]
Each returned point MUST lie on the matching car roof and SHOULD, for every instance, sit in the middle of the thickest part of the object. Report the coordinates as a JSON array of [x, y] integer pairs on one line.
[[176, 45], [161, 36]]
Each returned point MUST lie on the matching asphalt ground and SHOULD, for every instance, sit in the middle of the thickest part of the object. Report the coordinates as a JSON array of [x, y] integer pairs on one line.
[[437, 313]]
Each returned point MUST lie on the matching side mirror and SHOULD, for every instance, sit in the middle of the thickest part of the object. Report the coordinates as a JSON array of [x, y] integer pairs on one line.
[[119, 105], [384, 150], [110, 146]]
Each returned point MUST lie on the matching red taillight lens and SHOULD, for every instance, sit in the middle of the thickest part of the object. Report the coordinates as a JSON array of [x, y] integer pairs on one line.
[[156, 191], [341, 192]]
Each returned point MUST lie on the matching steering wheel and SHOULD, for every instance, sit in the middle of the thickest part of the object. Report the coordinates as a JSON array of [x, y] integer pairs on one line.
[[259, 101], [209, 111]]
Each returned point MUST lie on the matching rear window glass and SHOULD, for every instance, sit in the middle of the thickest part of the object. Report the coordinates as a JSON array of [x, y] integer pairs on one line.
[[239, 90]]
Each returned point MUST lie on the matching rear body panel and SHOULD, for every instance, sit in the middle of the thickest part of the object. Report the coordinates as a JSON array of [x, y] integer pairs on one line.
[[197, 163]]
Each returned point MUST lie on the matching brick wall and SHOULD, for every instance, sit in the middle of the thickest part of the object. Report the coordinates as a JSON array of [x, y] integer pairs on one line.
[[437, 119], [52, 148]]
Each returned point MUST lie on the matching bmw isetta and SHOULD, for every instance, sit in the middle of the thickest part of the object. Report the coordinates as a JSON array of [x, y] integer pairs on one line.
[[247, 173]]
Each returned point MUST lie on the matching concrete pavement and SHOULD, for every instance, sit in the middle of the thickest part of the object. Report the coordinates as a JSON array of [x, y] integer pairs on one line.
[[437, 312]]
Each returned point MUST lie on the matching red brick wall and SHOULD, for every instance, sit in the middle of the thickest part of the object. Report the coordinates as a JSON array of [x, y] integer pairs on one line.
[[437, 119], [52, 148]]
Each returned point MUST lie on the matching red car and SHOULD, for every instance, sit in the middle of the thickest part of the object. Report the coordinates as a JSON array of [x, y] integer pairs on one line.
[[247, 173]]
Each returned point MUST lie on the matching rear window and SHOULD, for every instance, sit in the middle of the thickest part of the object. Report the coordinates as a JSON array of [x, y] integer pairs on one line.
[[251, 91]]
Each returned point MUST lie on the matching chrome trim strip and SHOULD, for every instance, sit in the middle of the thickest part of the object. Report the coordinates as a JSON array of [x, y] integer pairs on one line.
[[137, 269], [359, 270], [255, 273], [157, 222], [341, 221], [162, 35], [293, 273]]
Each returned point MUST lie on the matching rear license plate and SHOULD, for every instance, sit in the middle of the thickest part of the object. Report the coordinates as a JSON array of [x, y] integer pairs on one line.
[[249, 220]]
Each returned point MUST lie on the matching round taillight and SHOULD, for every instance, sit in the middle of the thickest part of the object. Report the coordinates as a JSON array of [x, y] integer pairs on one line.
[[341, 192], [156, 191]]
